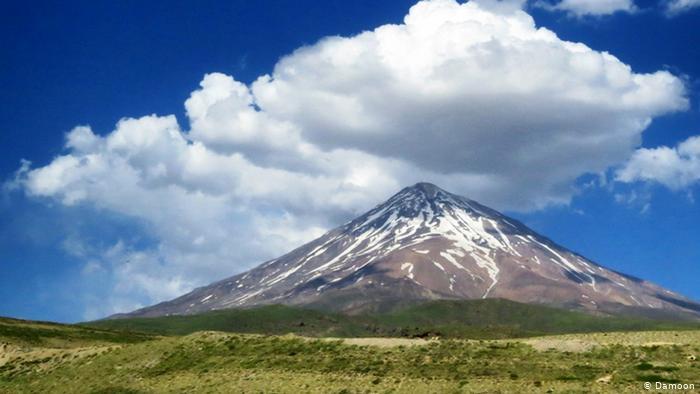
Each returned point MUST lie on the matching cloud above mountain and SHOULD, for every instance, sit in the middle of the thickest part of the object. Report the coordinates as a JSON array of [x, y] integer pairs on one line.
[[473, 97]]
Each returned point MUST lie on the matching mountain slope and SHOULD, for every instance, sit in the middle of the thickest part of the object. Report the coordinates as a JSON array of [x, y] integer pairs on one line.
[[425, 243]]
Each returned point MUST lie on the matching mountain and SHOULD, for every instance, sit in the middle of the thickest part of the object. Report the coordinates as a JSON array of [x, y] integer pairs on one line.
[[424, 244]]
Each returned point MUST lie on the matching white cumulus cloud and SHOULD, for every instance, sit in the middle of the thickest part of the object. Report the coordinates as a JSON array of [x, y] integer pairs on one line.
[[675, 7], [473, 97], [674, 167]]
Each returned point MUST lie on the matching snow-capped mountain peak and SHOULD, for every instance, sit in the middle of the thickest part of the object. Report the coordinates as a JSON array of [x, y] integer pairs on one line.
[[427, 243]]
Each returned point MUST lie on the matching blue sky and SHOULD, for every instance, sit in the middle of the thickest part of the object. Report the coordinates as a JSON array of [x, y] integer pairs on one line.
[[100, 237]]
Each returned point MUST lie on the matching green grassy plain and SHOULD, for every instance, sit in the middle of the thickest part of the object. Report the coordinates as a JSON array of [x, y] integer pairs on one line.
[[52, 358]]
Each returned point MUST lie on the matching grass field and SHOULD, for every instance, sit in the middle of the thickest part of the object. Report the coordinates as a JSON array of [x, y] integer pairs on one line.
[[67, 359]]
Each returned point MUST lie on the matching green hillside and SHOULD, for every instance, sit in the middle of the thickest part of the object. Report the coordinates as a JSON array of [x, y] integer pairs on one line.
[[272, 320], [33, 333], [479, 319]]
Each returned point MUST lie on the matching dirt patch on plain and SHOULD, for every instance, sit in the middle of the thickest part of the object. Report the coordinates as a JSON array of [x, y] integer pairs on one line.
[[561, 344], [385, 342]]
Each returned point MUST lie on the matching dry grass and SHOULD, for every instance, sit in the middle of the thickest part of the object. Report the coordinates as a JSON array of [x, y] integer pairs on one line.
[[586, 342]]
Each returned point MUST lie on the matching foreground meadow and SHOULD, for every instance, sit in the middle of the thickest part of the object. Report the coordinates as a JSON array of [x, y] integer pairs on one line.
[[215, 362]]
